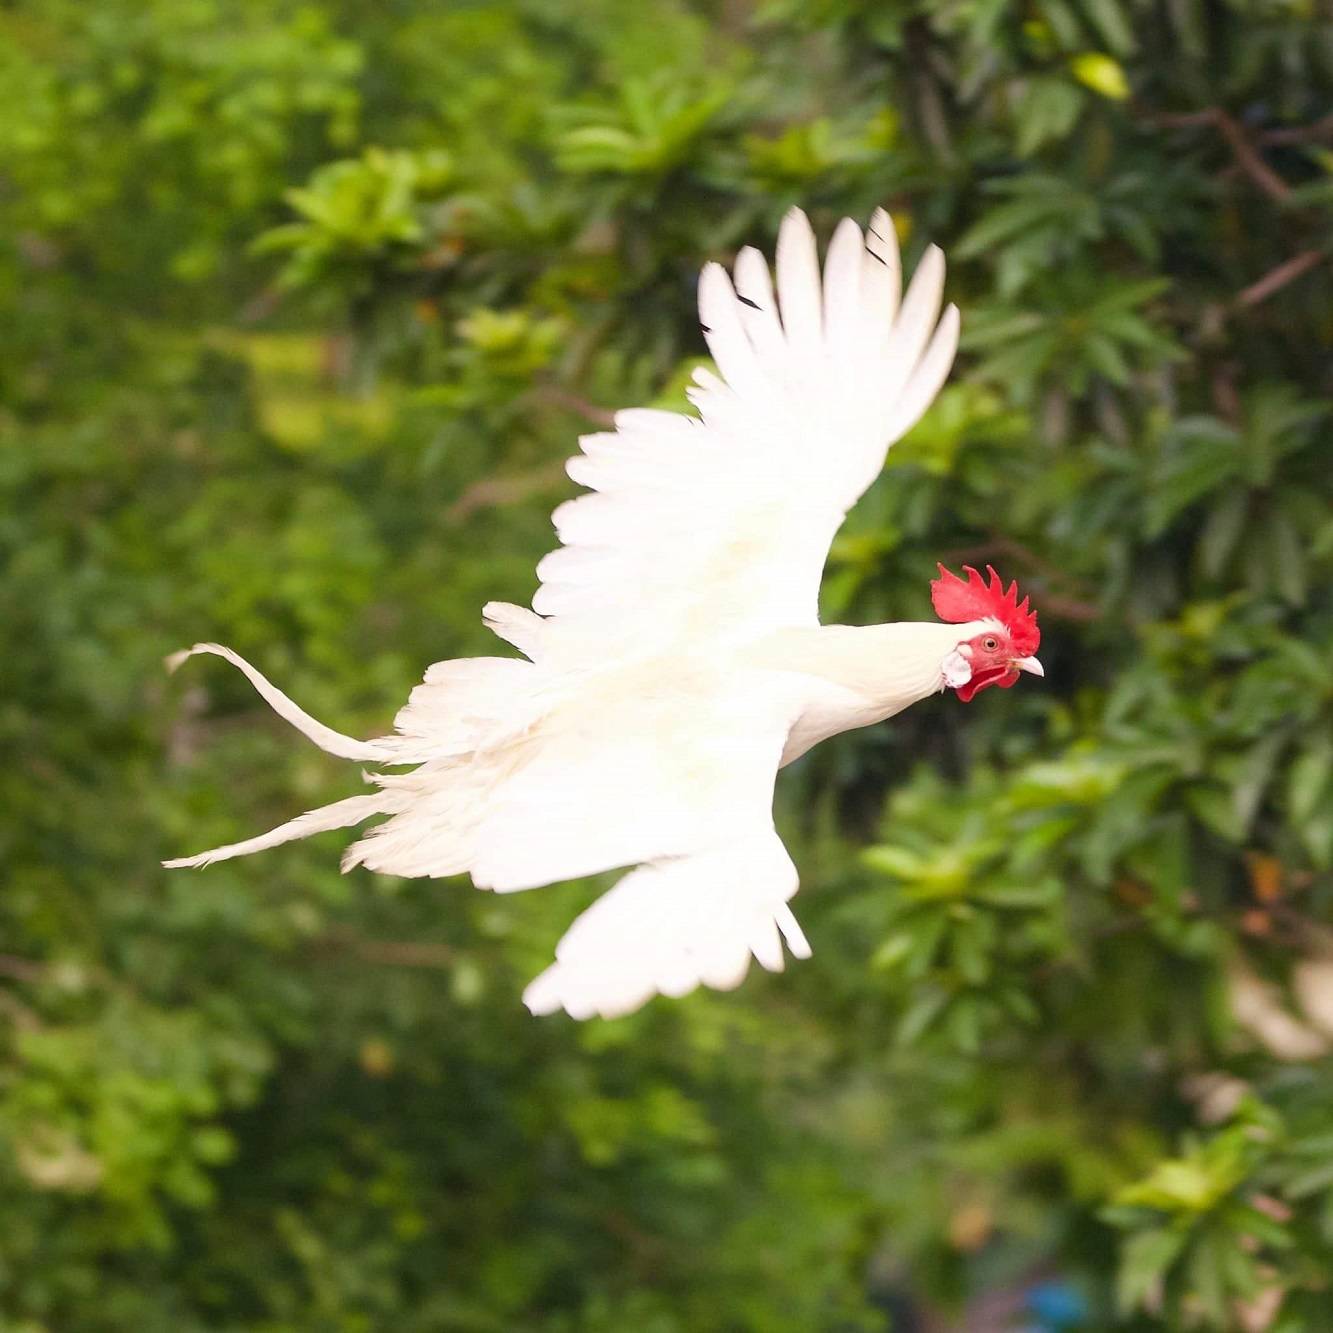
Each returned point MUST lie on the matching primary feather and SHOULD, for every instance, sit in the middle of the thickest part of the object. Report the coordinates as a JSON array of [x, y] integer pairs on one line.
[[674, 658]]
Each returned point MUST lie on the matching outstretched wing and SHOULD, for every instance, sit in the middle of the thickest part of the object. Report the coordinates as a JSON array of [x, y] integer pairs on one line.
[[719, 525], [687, 788], [671, 925]]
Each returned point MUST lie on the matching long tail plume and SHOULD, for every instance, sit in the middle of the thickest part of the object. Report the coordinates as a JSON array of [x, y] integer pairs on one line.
[[341, 814], [334, 742]]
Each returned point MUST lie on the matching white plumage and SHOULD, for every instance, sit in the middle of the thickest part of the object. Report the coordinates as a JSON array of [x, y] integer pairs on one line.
[[673, 658]]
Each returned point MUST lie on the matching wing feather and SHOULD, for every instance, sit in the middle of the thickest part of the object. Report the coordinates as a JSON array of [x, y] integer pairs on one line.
[[725, 333], [913, 327], [881, 282], [799, 291], [842, 293], [672, 925], [719, 525], [929, 375], [759, 307]]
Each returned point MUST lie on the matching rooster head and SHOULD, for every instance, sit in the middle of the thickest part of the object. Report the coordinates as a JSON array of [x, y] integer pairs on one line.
[[1004, 649]]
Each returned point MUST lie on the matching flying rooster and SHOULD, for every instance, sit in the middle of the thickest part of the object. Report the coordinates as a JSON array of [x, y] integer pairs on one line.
[[673, 658]]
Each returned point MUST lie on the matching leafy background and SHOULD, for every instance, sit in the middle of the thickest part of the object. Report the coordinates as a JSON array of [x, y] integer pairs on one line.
[[303, 304]]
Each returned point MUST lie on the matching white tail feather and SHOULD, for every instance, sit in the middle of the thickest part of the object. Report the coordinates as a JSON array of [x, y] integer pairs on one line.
[[333, 742], [341, 814]]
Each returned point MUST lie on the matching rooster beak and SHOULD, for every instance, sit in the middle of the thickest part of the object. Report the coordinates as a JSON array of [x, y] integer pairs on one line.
[[1029, 664]]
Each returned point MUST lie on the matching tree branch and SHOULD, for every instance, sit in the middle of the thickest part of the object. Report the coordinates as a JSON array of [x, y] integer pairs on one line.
[[393, 953], [21, 969], [1069, 608], [1288, 134], [1247, 158], [23, 1018], [1062, 608], [492, 492], [1275, 279], [557, 396]]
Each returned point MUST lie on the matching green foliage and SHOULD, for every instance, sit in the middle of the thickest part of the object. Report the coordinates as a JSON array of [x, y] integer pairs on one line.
[[1207, 1236], [357, 213], [657, 126], [302, 306]]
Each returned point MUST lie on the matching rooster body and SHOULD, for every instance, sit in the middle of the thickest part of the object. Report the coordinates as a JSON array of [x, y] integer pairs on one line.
[[673, 659]]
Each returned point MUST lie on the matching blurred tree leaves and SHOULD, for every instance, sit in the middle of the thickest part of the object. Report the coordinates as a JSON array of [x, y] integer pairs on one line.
[[356, 214], [303, 305]]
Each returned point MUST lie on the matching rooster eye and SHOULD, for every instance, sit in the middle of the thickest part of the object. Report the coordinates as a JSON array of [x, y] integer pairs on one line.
[[990, 643]]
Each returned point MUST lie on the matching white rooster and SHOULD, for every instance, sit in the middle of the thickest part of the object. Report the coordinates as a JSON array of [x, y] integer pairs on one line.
[[673, 658]]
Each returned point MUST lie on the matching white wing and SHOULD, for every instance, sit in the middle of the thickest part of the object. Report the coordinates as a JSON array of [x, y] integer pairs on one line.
[[638, 762], [701, 528], [673, 924], [679, 774]]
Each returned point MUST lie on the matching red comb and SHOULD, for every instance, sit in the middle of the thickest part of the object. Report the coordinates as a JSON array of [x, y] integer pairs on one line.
[[957, 601]]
